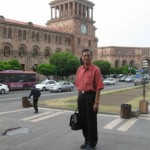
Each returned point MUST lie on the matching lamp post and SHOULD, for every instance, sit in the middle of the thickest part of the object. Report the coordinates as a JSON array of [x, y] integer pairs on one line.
[[130, 68]]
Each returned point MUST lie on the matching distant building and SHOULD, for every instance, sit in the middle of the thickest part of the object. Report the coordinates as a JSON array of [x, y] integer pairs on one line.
[[71, 28], [120, 56]]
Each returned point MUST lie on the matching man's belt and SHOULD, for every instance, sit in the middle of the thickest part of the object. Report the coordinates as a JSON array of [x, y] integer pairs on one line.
[[89, 92]]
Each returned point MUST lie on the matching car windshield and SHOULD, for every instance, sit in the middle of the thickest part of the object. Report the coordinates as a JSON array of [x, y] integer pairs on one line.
[[44, 82], [59, 83]]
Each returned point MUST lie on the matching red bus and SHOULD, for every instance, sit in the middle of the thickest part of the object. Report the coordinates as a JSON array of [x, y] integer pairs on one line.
[[18, 79]]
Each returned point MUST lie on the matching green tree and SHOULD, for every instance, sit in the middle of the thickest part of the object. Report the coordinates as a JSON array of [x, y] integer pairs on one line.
[[4, 66], [15, 65], [65, 62], [103, 65], [46, 69]]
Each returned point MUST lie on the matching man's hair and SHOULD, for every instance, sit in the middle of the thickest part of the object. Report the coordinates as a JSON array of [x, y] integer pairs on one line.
[[86, 50]]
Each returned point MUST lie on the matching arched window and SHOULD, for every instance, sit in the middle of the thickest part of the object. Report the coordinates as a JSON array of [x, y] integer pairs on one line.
[[116, 63], [35, 52], [6, 51], [47, 53], [131, 63], [124, 62], [58, 50], [21, 51]]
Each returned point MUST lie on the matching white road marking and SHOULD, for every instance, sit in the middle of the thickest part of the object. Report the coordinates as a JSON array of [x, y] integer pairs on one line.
[[12, 111], [47, 116], [36, 115], [113, 123], [128, 124]]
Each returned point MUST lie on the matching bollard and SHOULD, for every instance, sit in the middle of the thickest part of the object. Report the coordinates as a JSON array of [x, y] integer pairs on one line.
[[125, 111]]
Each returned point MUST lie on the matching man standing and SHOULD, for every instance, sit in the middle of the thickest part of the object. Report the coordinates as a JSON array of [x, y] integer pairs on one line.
[[89, 83], [36, 94]]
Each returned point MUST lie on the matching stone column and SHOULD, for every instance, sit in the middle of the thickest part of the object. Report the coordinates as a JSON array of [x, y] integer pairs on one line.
[[55, 12], [92, 13], [77, 8], [69, 9], [87, 12], [59, 11], [51, 12], [82, 10], [73, 8]]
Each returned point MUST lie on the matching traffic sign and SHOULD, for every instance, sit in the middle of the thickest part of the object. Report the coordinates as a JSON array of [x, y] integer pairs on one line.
[[145, 64]]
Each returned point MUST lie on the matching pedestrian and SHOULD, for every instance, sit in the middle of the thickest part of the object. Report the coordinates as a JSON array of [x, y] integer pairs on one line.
[[36, 94], [89, 83]]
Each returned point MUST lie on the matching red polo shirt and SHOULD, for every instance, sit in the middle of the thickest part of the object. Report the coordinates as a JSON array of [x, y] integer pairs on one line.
[[88, 78]]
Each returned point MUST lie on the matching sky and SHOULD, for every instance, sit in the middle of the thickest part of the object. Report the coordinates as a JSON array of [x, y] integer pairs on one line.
[[118, 22]]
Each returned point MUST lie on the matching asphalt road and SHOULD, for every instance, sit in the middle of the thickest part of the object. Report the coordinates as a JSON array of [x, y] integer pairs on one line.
[[18, 94]]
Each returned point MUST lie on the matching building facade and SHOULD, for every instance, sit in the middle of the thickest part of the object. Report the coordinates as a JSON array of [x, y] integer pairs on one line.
[[120, 56], [70, 28]]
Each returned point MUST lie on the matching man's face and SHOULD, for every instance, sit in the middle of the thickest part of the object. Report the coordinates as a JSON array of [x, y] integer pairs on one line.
[[87, 57]]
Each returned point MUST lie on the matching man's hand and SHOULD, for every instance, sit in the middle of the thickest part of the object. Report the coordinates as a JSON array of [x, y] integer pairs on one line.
[[95, 107]]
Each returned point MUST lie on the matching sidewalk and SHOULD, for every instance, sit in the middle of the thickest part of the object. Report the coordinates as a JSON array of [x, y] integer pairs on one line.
[[57, 135]]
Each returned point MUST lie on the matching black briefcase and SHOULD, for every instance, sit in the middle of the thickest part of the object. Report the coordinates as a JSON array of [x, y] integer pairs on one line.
[[75, 123]]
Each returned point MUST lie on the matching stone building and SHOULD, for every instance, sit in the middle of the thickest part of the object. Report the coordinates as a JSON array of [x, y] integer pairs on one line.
[[120, 56], [70, 28]]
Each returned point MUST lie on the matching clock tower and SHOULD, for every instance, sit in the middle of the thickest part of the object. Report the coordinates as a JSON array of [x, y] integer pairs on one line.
[[76, 18]]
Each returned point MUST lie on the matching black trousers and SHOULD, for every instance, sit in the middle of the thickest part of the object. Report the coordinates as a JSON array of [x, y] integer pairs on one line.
[[35, 104], [88, 117]]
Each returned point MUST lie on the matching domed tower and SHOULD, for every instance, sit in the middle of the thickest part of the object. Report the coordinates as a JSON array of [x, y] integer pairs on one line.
[[75, 17]]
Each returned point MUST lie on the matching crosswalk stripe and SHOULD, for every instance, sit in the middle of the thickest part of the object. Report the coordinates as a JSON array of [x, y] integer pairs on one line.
[[36, 116], [128, 124], [46, 117], [12, 111], [113, 123]]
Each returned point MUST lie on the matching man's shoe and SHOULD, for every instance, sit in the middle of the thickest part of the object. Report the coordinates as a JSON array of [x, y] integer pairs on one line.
[[83, 146], [90, 148]]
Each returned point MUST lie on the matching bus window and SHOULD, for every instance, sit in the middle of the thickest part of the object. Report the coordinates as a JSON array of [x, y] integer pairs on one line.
[[31, 77]]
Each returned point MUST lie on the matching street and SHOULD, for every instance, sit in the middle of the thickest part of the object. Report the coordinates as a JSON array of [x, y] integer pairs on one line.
[[18, 94], [49, 130]]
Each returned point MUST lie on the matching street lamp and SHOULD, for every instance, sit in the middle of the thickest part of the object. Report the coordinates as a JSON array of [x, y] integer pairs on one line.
[[130, 68]]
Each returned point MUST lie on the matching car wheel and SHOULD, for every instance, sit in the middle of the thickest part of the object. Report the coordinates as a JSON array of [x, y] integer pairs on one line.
[[59, 90], [44, 89], [3, 91], [71, 89]]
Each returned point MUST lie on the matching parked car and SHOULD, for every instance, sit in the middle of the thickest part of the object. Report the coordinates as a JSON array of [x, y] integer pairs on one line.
[[130, 79], [140, 81], [62, 86], [45, 85], [122, 79], [109, 81], [4, 88]]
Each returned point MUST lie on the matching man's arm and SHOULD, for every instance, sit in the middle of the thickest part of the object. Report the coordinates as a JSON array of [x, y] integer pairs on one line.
[[30, 94]]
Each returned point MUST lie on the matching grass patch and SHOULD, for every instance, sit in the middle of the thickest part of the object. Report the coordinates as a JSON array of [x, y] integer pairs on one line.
[[70, 103]]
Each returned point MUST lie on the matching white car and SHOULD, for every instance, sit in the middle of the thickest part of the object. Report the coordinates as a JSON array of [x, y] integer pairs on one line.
[[45, 85], [62, 86], [109, 81], [4, 88]]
